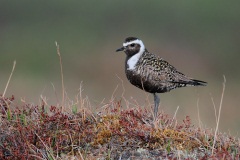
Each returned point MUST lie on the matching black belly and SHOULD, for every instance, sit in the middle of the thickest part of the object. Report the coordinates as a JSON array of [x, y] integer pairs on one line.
[[145, 83]]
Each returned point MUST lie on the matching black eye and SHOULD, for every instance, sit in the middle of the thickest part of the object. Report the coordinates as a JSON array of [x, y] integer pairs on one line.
[[132, 45]]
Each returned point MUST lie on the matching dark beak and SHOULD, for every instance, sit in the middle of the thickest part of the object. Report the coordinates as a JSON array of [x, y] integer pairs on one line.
[[120, 49]]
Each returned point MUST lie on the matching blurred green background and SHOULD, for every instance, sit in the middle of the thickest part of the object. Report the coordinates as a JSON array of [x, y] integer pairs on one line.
[[200, 38]]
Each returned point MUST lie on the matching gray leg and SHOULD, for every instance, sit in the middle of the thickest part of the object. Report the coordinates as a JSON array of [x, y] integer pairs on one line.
[[156, 104]]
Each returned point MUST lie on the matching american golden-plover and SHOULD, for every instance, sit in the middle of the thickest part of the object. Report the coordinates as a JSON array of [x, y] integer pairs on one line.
[[151, 73]]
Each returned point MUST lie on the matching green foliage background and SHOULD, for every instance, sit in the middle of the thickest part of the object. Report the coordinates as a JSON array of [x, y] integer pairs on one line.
[[200, 38]]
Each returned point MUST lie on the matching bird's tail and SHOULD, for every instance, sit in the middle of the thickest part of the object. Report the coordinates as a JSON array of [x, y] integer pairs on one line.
[[195, 82], [191, 82]]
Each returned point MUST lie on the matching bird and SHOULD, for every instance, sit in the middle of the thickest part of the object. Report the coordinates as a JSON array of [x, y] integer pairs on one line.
[[151, 73]]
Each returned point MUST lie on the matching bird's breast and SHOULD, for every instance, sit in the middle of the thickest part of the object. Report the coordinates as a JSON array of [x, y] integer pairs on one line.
[[145, 80]]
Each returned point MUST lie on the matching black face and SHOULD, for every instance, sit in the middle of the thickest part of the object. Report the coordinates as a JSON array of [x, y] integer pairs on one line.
[[132, 48]]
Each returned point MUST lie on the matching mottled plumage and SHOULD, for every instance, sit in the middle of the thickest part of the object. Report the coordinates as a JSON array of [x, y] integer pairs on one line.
[[151, 73], [155, 75]]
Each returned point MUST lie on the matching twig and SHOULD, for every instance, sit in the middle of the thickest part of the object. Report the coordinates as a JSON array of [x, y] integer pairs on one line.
[[199, 120], [81, 96], [112, 98], [122, 85], [60, 60], [81, 156], [126, 101], [48, 149], [54, 89], [219, 112], [215, 110], [175, 114], [5, 90], [44, 100]]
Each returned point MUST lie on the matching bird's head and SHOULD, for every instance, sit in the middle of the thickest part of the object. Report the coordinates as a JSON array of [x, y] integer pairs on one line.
[[132, 46]]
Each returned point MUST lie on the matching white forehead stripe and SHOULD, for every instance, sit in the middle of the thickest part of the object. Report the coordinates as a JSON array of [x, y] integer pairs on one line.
[[138, 41]]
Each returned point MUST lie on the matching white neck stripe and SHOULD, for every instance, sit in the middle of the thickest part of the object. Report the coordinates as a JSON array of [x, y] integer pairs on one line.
[[133, 61], [135, 58]]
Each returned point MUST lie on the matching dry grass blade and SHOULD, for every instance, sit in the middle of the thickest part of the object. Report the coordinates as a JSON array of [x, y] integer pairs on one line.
[[199, 119], [46, 147], [175, 114], [60, 60], [5, 90], [122, 85], [214, 107], [219, 112], [55, 92]]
